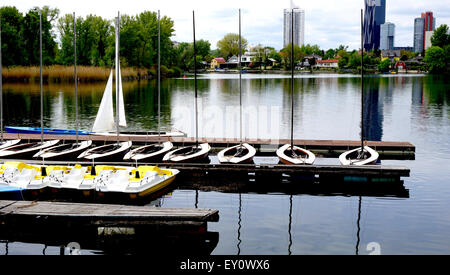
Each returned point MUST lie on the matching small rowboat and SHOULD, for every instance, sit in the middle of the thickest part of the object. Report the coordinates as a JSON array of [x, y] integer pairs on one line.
[[189, 154], [152, 152], [242, 153], [353, 157], [140, 182], [109, 152], [296, 156], [26, 150], [66, 151]]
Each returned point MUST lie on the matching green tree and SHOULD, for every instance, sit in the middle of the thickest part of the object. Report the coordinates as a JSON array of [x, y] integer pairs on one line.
[[441, 36], [286, 54], [435, 60], [384, 66], [229, 45], [12, 43], [31, 37]]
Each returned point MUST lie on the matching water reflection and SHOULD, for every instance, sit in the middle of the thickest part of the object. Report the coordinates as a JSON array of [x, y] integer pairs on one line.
[[373, 110], [324, 107]]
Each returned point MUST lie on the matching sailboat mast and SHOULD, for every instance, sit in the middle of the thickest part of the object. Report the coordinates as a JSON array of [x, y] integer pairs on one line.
[[117, 75], [240, 76], [75, 73], [362, 85], [1, 83], [159, 78], [195, 82], [40, 54], [292, 80]]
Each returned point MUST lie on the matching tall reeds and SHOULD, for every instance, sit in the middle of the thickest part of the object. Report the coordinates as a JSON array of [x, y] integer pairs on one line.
[[58, 73]]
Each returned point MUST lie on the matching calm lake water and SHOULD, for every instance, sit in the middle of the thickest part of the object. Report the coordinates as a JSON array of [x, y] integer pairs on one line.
[[412, 108]]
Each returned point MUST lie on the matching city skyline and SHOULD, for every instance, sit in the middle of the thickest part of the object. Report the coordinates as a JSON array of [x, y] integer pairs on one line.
[[328, 23]]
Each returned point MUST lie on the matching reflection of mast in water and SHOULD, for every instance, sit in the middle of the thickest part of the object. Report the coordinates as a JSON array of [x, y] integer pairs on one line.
[[290, 225], [196, 198], [239, 226], [358, 226]]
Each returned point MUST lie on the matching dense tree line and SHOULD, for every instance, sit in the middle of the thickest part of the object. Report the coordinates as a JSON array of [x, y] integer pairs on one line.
[[95, 39]]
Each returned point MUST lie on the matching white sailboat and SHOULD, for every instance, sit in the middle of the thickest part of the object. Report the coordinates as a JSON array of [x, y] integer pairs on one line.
[[243, 152], [363, 155], [155, 151], [72, 149], [105, 121], [289, 153], [198, 152]]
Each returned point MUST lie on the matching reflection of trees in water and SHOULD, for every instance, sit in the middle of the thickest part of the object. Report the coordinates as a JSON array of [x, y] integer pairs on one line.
[[436, 89]]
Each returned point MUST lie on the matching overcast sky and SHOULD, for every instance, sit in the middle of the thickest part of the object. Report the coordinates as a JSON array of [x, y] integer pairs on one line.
[[328, 23]]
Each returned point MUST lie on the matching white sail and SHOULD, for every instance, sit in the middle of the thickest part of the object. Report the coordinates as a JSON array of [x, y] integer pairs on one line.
[[122, 119], [104, 122]]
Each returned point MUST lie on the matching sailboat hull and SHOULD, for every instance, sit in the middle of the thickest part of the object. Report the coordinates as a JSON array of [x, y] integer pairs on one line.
[[350, 157], [230, 155], [26, 150], [152, 152], [64, 152], [9, 143], [189, 154], [109, 152], [284, 156]]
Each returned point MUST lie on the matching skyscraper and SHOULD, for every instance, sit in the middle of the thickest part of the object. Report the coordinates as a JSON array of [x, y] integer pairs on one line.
[[387, 33], [374, 17], [299, 26], [419, 34], [430, 21], [429, 25]]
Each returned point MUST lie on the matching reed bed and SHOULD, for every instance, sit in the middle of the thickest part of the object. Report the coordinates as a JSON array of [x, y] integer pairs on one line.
[[58, 73]]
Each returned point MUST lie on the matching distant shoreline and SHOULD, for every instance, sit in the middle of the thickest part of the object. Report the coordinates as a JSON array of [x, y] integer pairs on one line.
[[58, 73]]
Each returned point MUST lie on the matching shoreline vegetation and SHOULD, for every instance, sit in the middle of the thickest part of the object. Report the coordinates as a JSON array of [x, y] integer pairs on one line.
[[60, 73]]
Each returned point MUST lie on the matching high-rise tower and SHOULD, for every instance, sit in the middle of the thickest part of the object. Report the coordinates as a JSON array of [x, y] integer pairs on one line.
[[299, 26], [374, 17]]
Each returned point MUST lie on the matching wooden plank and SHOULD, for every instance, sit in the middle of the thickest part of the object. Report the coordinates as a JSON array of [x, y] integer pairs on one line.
[[104, 211]]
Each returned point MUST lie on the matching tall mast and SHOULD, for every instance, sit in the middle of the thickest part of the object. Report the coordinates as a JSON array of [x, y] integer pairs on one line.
[[117, 75], [159, 78], [1, 84], [292, 80], [75, 73], [195, 82], [362, 86], [42, 100], [240, 75]]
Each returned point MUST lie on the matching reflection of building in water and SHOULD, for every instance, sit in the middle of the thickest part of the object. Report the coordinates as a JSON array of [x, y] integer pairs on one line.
[[373, 111], [417, 91]]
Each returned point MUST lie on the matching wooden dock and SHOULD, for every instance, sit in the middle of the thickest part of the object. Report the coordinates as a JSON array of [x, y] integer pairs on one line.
[[102, 214], [112, 229], [264, 147]]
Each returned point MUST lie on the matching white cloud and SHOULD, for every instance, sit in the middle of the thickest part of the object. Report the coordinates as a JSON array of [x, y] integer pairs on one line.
[[329, 23]]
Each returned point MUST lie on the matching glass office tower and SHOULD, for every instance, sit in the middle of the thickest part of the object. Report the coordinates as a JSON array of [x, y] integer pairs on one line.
[[387, 33], [374, 17]]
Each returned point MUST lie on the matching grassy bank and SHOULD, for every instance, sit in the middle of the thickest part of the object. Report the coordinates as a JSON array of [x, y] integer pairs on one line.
[[58, 73]]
